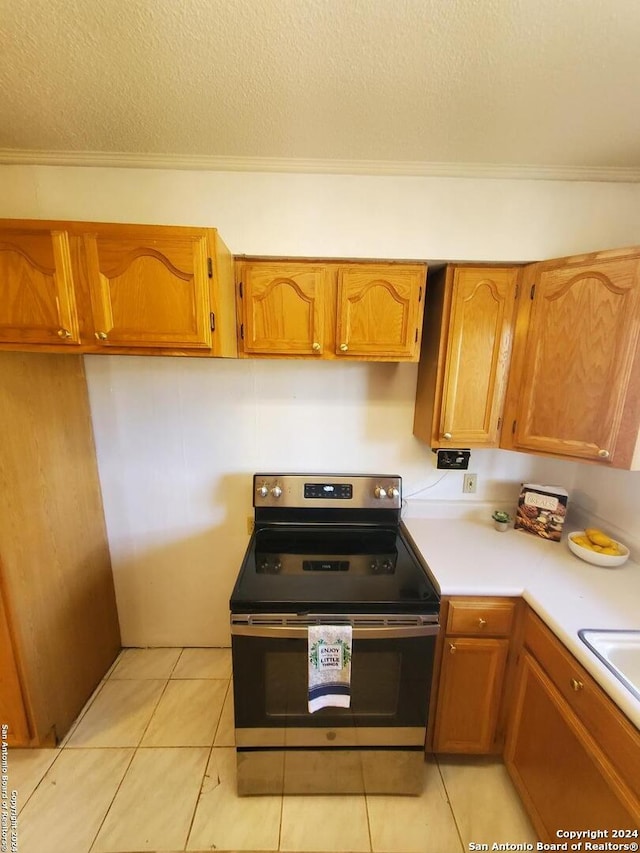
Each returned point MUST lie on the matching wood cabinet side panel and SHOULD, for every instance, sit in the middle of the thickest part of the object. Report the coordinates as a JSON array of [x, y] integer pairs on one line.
[[434, 695], [13, 711], [223, 298], [56, 564]]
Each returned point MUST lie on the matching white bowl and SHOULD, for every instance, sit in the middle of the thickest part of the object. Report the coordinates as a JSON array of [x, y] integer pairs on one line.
[[594, 557]]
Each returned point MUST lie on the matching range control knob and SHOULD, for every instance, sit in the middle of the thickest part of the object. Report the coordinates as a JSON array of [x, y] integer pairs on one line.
[[379, 492], [276, 491], [393, 492], [262, 490]]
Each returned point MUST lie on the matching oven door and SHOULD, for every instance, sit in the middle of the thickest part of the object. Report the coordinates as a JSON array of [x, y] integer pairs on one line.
[[391, 670]]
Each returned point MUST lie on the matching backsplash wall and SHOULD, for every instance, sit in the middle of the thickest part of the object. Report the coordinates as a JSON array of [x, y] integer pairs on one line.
[[178, 438], [176, 465]]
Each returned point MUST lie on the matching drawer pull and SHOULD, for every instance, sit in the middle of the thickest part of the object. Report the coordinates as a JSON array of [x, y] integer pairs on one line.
[[576, 685], [482, 622], [452, 648]]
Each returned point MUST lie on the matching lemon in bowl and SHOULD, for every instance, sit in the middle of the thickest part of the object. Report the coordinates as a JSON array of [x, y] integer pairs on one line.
[[596, 547]]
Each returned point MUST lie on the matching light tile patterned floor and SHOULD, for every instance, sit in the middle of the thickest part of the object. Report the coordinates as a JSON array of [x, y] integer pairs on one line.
[[149, 766]]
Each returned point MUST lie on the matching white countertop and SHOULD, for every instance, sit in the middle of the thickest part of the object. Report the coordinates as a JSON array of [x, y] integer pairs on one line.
[[467, 556]]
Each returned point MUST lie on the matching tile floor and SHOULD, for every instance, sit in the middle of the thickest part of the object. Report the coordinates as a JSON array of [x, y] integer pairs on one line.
[[149, 766]]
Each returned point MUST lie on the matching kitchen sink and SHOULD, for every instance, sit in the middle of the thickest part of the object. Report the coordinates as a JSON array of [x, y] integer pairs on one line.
[[619, 651]]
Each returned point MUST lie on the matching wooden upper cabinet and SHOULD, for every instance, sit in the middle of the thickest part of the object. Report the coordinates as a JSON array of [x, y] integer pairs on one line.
[[37, 301], [379, 310], [464, 363], [149, 286], [282, 308], [330, 309], [101, 287], [575, 385]]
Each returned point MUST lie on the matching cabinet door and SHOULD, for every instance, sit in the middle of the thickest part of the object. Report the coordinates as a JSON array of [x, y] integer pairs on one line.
[[379, 311], [477, 357], [575, 392], [471, 683], [149, 286], [12, 709], [282, 308], [561, 775], [37, 302]]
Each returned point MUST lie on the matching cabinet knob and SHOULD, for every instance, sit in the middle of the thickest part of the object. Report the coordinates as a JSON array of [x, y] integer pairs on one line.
[[64, 333], [101, 336], [482, 622], [344, 347], [315, 346], [576, 685], [452, 648], [603, 454], [447, 435]]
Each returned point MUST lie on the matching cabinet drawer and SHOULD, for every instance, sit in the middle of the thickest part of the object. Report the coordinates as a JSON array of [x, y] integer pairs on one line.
[[489, 617], [609, 727]]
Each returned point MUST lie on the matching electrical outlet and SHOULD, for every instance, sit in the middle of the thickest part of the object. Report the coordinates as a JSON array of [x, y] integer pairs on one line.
[[469, 483], [250, 524]]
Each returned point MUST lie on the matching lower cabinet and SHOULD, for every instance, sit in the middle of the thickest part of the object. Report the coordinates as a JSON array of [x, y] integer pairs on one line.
[[472, 667], [572, 755]]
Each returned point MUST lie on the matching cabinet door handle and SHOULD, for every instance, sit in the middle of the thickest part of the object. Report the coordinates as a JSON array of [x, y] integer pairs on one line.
[[101, 336], [344, 347], [576, 685], [482, 622], [452, 648], [603, 454], [447, 435], [64, 333], [315, 346]]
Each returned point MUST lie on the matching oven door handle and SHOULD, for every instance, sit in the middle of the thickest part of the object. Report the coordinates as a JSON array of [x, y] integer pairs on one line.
[[374, 632]]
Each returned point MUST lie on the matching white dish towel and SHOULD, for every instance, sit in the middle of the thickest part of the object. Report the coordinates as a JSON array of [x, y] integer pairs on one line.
[[329, 666]]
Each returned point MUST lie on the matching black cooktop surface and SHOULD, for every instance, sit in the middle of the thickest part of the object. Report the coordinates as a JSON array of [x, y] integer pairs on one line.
[[331, 569]]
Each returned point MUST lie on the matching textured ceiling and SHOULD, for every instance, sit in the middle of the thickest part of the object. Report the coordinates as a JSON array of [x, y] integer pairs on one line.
[[551, 83]]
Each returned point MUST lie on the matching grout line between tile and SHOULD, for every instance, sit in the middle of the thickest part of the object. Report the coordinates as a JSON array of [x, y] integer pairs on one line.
[[173, 668], [95, 837], [155, 708], [58, 751], [449, 803], [366, 808], [197, 803]]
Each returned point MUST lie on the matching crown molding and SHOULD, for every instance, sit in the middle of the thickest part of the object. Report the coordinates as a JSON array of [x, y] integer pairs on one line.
[[389, 168]]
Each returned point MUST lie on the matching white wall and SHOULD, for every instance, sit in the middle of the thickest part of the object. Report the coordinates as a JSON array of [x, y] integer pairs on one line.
[[178, 439]]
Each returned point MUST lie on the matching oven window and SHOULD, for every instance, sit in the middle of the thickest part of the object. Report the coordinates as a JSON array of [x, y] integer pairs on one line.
[[375, 685], [390, 683]]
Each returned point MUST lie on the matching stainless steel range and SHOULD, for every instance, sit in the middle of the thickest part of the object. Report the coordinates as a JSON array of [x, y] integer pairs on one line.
[[330, 550]]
